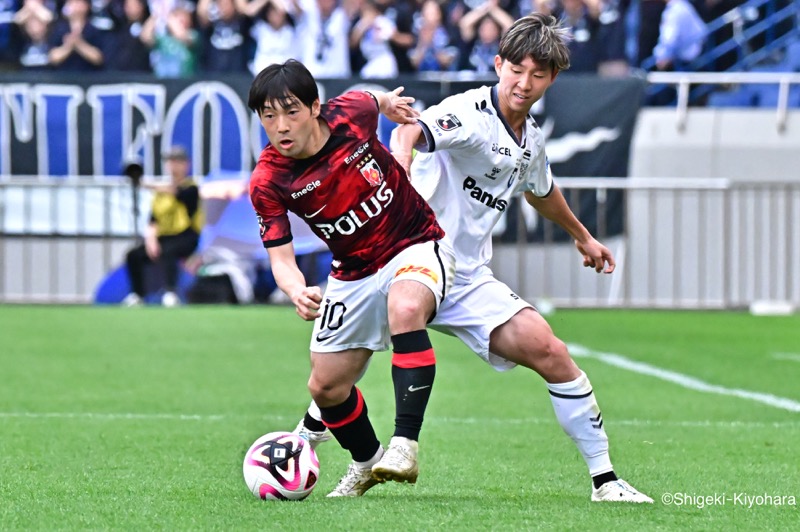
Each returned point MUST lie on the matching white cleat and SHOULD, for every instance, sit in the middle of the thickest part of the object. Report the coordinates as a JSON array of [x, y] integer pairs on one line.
[[355, 483], [618, 491], [132, 300], [399, 462], [313, 437]]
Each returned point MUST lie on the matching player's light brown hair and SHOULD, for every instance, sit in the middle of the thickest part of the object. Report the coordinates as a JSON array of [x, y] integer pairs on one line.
[[283, 84], [538, 36]]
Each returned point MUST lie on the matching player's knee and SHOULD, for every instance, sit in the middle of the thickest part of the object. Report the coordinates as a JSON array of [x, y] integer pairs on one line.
[[553, 361], [407, 315], [327, 392]]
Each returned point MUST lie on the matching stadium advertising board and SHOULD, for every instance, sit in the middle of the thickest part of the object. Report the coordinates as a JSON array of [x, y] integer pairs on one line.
[[95, 125]]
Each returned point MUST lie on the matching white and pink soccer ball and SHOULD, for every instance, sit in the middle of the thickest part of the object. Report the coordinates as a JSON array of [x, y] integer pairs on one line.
[[281, 466]]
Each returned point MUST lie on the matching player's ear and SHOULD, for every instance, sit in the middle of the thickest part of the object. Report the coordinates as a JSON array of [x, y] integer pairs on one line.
[[315, 108], [554, 75], [498, 64]]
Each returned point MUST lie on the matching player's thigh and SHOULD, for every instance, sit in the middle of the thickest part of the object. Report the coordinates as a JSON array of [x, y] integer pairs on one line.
[[429, 264], [352, 316], [473, 309], [411, 304]]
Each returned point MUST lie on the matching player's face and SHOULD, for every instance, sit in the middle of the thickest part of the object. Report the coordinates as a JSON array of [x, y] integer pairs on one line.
[[521, 85], [291, 129]]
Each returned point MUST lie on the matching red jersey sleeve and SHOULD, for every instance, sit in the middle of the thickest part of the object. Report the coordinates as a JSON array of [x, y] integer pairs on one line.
[[355, 110], [273, 220]]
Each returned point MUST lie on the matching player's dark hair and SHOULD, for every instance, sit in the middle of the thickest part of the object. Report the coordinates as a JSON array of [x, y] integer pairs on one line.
[[538, 36], [282, 84]]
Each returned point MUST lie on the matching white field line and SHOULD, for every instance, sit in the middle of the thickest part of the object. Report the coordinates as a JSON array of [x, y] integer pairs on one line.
[[121, 416], [681, 379], [794, 357]]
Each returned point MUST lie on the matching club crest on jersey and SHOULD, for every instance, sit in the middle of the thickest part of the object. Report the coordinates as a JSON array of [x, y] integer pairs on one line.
[[372, 172], [448, 122]]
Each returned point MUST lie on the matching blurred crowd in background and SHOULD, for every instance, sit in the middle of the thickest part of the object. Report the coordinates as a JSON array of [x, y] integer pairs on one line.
[[375, 39]]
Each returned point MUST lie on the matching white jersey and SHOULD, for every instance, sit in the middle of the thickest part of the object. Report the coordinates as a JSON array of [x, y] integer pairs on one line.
[[473, 168]]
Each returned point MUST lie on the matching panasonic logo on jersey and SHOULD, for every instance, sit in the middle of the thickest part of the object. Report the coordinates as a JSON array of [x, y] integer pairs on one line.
[[354, 219], [361, 149], [477, 193]]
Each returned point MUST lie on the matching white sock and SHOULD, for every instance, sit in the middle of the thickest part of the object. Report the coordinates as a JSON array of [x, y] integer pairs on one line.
[[374, 460], [577, 411], [313, 411]]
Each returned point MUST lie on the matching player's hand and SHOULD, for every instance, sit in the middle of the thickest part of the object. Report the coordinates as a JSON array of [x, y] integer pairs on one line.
[[596, 255], [306, 302], [398, 108]]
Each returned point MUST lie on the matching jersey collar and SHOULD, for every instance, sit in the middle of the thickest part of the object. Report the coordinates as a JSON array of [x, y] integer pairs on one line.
[[496, 104]]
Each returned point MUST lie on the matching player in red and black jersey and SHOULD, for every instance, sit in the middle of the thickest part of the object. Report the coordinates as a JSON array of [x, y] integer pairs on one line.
[[390, 271]]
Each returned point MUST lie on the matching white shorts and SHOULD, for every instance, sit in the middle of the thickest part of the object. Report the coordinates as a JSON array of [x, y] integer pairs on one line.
[[354, 314], [472, 310]]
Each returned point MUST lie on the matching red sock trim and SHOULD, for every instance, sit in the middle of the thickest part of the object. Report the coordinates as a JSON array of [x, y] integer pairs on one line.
[[414, 360], [353, 415]]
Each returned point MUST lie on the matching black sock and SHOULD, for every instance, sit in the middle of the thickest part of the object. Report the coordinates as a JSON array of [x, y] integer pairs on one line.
[[312, 424], [413, 372], [351, 427], [602, 478]]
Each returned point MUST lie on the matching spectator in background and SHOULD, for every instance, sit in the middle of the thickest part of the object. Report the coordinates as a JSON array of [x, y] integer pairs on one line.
[[611, 37], [75, 44], [173, 40], [325, 26], [402, 14], [371, 35], [226, 36], [33, 21], [8, 48], [481, 30], [649, 20], [173, 232], [105, 16], [433, 52], [131, 54], [273, 31], [581, 19], [682, 34]]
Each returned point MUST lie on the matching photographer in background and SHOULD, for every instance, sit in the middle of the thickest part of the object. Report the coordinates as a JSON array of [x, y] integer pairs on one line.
[[173, 233]]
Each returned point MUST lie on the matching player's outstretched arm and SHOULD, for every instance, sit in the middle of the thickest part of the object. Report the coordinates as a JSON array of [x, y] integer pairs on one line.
[[292, 282], [395, 107], [402, 143], [555, 208]]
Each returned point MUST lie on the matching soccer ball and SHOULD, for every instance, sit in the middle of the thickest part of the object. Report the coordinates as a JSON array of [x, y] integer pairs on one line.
[[281, 466]]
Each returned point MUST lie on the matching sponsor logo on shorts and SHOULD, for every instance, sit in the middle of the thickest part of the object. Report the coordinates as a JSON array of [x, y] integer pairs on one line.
[[418, 269]]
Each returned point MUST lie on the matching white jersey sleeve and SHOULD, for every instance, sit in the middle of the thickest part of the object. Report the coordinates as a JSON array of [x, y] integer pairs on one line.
[[454, 124], [539, 178]]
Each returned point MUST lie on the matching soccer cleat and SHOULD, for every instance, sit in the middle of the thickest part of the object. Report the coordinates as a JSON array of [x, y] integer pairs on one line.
[[399, 462], [618, 491], [170, 299], [355, 483], [313, 437], [132, 300]]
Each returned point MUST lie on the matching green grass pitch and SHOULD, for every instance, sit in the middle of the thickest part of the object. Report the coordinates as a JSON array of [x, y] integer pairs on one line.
[[138, 419]]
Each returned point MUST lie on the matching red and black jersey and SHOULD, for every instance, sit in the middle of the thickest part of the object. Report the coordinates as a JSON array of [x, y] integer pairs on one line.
[[353, 193]]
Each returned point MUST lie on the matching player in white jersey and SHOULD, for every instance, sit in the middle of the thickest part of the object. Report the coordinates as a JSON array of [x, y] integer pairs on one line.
[[478, 150]]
